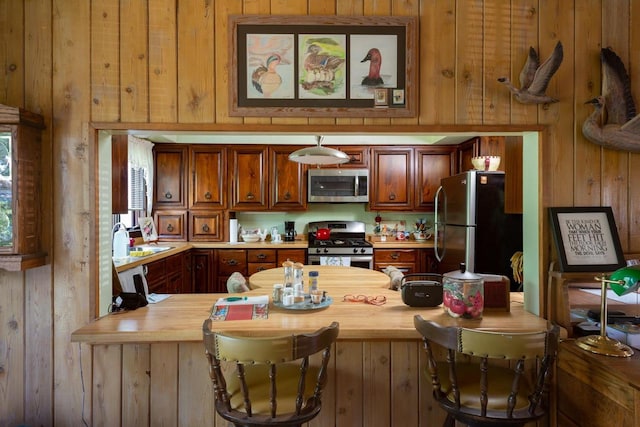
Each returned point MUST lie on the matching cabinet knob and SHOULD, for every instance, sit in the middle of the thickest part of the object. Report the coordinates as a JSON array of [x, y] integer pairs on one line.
[[207, 195], [395, 255], [232, 262], [392, 196], [261, 256], [205, 228], [168, 195], [250, 196], [170, 227], [287, 196]]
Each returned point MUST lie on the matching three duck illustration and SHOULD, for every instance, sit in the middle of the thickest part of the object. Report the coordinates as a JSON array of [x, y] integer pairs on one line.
[[320, 68], [375, 63], [265, 78], [614, 122], [534, 77]]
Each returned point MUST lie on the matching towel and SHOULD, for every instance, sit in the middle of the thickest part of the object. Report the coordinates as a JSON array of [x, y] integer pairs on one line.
[[344, 261], [126, 280]]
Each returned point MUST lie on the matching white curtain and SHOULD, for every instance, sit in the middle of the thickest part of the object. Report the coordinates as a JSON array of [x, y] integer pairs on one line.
[[141, 156]]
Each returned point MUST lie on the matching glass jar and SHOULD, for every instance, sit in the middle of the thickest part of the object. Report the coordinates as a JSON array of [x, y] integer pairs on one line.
[[288, 273], [277, 292], [463, 293], [298, 271], [313, 281], [287, 296]]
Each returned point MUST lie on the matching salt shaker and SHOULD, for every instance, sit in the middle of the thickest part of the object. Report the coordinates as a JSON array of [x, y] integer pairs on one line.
[[277, 292]]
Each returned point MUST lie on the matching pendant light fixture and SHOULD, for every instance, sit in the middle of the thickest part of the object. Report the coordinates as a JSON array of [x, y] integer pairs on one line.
[[319, 155]]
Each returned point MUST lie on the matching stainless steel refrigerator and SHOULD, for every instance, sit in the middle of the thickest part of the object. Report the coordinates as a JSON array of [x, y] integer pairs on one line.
[[472, 227]]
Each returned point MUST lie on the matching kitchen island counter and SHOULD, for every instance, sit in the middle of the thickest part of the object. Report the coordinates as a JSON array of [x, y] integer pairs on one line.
[[179, 318], [149, 364]]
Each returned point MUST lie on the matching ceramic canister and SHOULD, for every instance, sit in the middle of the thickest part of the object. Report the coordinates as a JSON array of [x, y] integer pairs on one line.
[[463, 293]]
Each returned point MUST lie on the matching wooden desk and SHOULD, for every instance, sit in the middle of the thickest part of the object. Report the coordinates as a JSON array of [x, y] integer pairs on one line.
[[149, 366], [564, 293], [559, 309], [596, 390], [328, 276]]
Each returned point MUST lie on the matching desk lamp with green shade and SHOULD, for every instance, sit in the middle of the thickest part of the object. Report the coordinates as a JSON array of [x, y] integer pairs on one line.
[[621, 281]]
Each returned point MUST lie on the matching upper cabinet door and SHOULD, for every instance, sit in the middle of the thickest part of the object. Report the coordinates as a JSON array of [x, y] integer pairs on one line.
[[209, 177], [392, 169], [288, 188], [432, 164], [170, 186], [358, 157], [249, 178]]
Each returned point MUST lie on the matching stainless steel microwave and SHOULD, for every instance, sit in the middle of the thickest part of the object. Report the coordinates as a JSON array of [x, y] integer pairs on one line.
[[338, 185]]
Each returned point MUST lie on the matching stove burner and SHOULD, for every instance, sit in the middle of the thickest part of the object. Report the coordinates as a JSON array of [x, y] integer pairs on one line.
[[339, 243]]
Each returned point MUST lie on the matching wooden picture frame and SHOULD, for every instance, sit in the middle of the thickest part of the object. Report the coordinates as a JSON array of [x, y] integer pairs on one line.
[[586, 239], [148, 229], [321, 65]]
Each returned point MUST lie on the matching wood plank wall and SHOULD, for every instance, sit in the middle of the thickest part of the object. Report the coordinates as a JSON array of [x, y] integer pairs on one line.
[[78, 61]]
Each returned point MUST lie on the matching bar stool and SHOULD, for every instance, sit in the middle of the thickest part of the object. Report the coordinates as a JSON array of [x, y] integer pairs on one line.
[[273, 382], [481, 394]]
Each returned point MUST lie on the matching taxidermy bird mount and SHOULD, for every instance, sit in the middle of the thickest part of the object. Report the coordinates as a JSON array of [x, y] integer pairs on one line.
[[614, 123], [534, 78]]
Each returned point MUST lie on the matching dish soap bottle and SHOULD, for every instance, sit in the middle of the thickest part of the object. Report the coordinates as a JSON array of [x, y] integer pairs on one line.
[[120, 241]]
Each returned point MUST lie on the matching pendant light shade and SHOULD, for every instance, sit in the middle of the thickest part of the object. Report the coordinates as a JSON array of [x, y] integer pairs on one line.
[[319, 155]]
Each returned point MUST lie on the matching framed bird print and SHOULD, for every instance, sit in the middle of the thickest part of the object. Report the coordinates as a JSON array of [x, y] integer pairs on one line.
[[322, 65]]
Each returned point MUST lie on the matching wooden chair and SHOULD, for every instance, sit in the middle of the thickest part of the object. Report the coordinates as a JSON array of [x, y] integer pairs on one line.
[[478, 393], [273, 382]]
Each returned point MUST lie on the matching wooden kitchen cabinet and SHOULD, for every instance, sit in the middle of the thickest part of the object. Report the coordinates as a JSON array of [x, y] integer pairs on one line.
[[119, 174], [175, 275], [358, 157], [205, 226], [260, 259], [156, 275], [407, 260], [229, 261], [295, 255], [170, 176], [466, 151], [264, 178], [203, 271], [287, 183], [509, 148], [208, 184], [249, 178], [166, 276], [391, 178], [171, 225], [432, 164]]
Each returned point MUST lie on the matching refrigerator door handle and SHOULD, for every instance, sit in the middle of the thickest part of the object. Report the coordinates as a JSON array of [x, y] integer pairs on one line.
[[436, 250]]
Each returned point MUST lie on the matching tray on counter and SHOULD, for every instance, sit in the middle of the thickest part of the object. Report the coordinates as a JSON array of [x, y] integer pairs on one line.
[[306, 304]]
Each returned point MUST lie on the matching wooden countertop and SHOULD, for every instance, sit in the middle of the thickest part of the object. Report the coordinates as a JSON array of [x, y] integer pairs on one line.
[[180, 317], [177, 247]]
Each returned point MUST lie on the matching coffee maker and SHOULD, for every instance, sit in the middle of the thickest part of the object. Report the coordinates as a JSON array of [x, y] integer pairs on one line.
[[290, 231]]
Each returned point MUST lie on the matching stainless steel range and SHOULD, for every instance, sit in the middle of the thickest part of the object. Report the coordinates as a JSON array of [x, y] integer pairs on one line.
[[339, 239]]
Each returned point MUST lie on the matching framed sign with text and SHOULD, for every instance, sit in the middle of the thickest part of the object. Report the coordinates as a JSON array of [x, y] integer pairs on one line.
[[586, 239]]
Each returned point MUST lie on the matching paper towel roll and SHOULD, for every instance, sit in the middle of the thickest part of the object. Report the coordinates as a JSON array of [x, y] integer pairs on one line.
[[233, 230]]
